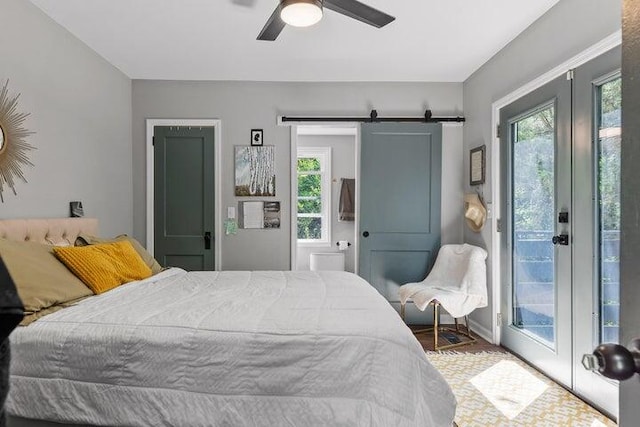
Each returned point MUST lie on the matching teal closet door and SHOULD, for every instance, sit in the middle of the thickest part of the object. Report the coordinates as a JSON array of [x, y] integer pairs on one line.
[[401, 168], [184, 197]]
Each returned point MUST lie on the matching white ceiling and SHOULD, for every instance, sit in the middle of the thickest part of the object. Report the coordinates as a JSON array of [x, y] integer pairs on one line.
[[430, 40]]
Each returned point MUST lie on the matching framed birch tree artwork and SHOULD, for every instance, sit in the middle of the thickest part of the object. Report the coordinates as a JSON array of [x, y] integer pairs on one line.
[[255, 171]]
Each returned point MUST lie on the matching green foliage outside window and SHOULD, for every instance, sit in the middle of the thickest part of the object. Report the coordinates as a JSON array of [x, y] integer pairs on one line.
[[533, 155], [310, 206], [611, 98], [309, 186], [309, 199], [609, 167], [309, 228], [306, 164]]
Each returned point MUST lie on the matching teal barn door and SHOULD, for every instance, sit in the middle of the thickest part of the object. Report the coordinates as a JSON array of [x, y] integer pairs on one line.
[[184, 197], [400, 170]]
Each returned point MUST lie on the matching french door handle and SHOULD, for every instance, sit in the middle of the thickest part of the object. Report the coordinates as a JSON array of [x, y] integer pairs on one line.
[[561, 239], [207, 240]]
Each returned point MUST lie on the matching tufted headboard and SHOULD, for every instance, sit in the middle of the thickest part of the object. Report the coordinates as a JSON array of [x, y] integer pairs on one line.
[[51, 231]]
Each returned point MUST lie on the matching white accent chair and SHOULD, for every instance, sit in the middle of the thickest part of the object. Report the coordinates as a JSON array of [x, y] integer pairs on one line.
[[457, 283]]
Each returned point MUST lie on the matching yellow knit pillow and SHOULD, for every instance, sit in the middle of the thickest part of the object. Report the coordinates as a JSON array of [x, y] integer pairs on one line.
[[103, 267]]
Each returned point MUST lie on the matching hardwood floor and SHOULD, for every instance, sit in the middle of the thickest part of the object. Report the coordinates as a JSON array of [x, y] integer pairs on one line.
[[426, 339]]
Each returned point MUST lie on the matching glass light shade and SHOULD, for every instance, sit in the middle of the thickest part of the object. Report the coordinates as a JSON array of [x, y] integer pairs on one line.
[[301, 14]]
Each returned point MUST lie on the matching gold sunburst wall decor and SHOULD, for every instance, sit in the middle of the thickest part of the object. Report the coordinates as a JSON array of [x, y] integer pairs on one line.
[[13, 144]]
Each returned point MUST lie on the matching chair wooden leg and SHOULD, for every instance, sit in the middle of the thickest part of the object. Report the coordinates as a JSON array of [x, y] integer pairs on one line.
[[466, 321], [436, 308], [455, 319], [402, 304]]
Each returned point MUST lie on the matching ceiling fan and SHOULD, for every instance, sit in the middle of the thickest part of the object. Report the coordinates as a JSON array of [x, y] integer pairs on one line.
[[303, 13]]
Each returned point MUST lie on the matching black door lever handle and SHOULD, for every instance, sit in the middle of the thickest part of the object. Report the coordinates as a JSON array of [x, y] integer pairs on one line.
[[561, 239], [207, 240]]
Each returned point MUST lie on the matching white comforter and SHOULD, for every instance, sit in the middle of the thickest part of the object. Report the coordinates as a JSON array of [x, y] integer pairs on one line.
[[228, 349]]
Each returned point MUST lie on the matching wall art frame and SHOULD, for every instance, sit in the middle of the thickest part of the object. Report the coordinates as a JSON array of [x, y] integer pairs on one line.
[[255, 171], [257, 137], [477, 165], [13, 144]]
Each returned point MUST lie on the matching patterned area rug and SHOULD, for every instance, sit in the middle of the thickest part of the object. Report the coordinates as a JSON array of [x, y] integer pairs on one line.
[[498, 389]]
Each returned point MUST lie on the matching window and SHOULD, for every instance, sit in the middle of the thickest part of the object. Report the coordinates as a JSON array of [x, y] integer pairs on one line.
[[609, 138], [314, 196]]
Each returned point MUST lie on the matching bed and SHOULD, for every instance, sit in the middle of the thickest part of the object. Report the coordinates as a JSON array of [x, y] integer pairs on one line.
[[228, 348]]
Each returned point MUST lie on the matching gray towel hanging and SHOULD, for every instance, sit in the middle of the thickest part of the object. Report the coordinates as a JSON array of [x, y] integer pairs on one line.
[[347, 206]]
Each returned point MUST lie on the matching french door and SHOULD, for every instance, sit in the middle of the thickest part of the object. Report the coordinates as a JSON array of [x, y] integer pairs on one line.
[[560, 156], [536, 136]]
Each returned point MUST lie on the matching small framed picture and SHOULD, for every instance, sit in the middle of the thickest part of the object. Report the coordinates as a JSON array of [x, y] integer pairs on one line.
[[256, 137], [76, 209], [476, 165]]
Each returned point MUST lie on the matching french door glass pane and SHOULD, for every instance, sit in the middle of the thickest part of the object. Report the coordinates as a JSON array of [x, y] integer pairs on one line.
[[533, 201], [608, 111]]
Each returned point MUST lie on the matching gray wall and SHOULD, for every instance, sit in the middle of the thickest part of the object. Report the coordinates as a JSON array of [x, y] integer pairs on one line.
[[343, 165], [80, 107], [629, 267], [242, 106], [565, 30], [451, 214]]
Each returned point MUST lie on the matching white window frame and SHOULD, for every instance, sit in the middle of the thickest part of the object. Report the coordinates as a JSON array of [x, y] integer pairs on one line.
[[324, 155]]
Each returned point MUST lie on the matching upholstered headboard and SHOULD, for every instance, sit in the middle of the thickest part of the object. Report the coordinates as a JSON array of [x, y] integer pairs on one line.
[[51, 231]]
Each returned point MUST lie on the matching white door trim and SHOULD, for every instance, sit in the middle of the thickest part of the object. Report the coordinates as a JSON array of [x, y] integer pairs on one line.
[[583, 57], [294, 197], [216, 124]]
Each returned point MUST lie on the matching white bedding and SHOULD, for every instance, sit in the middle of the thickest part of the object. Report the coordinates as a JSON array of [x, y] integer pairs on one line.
[[228, 349]]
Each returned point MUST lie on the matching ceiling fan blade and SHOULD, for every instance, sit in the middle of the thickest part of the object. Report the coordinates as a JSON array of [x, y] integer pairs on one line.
[[356, 10], [244, 3], [273, 27]]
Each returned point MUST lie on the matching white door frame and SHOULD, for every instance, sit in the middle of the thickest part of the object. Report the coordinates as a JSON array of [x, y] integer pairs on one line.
[[217, 147], [583, 57], [294, 179]]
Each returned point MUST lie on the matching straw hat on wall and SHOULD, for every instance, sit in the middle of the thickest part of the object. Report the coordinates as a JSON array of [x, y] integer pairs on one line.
[[474, 212]]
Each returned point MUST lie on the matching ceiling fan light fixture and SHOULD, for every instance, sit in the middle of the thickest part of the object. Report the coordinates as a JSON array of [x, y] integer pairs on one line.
[[301, 13]]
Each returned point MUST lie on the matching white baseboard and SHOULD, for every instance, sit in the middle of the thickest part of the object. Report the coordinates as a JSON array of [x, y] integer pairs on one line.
[[478, 329]]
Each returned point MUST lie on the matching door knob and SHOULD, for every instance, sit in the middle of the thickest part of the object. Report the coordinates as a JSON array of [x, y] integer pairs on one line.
[[614, 360], [207, 240], [561, 239], [365, 234]]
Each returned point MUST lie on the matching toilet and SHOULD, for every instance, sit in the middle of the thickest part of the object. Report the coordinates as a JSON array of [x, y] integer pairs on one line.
[[327, 261]]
